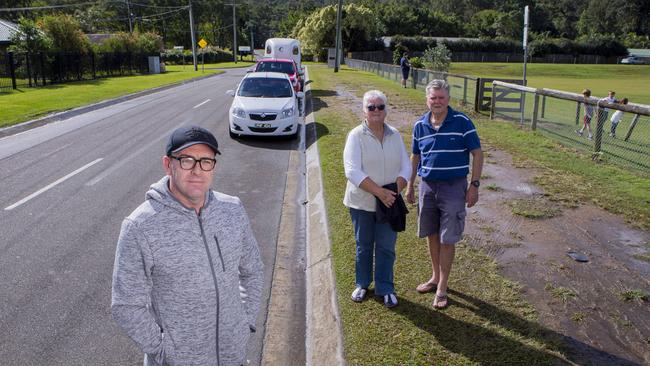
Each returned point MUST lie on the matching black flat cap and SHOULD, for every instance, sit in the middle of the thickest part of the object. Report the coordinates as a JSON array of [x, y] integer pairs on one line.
[[186, 136]]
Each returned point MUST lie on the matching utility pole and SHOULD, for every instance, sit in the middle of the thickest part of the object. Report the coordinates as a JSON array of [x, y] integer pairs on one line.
[[234, 31], [251, 24], [338, 37], [128, 10], [193, 37]]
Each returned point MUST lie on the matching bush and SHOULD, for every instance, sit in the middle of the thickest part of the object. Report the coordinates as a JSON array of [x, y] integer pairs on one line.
[[437, 58], [141, 43], [208, 54], [417, 62]]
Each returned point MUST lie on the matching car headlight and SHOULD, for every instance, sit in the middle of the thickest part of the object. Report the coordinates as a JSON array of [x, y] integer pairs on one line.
[[239, 112], [287, 112]]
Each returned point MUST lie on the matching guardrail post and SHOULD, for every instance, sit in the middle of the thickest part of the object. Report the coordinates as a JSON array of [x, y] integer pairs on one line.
[[578, 113], [543, 105], [414, 73], [632, 125], [598, 139], [535, 110]]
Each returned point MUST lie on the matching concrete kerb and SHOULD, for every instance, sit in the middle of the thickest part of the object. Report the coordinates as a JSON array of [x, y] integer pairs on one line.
[[59, 116], [324, 333]]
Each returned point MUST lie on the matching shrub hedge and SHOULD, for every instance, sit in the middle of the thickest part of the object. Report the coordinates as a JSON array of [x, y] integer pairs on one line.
[[601, 45]]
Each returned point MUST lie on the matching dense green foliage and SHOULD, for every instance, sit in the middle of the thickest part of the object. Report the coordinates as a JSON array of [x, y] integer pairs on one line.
[[625, 20]]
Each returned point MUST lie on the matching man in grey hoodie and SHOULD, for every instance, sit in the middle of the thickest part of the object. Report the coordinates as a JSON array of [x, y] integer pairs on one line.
[[188, 275]]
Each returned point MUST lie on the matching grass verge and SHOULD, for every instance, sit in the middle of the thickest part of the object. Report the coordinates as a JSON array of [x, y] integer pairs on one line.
[[26, 104], [488, 322]]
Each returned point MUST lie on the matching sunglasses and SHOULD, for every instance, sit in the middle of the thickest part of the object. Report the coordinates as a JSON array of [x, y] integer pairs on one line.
[[372, 107]]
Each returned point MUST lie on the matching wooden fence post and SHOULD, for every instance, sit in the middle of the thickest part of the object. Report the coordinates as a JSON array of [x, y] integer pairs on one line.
[[493, 101], [632, 125], [598, 139], [535, 110], [578, 113]]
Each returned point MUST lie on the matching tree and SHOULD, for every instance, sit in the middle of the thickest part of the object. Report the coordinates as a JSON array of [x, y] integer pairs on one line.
[[359, 27], [493, 24], [29, 38], [65, 33]]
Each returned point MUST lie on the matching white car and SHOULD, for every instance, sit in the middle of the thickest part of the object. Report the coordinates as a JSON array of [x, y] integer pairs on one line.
[[633, 60], [265, 104]]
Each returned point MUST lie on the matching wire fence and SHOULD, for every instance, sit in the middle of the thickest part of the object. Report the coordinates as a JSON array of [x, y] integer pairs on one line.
[[560, 116], [38, 69], [462, 88]]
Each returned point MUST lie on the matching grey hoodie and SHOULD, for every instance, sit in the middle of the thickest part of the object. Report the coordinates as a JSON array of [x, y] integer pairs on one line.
[[177, 275]]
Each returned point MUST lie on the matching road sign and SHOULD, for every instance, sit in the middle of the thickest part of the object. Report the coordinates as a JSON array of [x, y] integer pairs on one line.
[[244, 48], [202, 43]]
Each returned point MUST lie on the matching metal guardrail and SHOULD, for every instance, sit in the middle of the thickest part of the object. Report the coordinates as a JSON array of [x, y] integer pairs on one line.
[[559, 115], [463, 88]]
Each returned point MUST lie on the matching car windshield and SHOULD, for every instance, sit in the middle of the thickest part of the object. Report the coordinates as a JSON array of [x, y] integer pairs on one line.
[[265, 88], [284, 67]]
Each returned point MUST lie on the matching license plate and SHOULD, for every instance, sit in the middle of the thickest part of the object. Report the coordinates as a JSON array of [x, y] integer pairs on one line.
[[263, 125]]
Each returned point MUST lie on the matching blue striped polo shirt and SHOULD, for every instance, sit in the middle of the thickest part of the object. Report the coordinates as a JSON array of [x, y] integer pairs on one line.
[[444, 154]]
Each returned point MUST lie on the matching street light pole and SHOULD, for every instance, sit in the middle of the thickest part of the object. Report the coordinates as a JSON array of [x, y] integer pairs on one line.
[[338, 36], [193, 37], [234, 31], [525, 45]]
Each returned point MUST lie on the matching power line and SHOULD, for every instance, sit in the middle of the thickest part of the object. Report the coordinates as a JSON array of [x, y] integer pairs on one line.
[[49, 7]]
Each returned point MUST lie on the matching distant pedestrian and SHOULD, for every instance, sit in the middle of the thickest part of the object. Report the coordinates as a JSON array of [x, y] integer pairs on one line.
[[588, 115], [377, 166], [188, 275], [616, 118], [443, 140], [405, 65]]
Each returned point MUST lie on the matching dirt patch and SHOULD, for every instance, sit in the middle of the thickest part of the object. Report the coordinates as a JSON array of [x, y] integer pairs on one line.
[[586, 302], [589, 303]]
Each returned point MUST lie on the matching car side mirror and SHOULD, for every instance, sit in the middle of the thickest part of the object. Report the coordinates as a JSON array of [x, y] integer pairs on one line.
[[300, 94], [230, 92]]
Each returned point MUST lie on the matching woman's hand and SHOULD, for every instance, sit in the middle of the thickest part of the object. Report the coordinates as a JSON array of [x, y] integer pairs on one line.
[[386, 196]]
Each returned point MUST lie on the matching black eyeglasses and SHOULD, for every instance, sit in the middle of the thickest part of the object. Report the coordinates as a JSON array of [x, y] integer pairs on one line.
[[372, 107], [188, 163]]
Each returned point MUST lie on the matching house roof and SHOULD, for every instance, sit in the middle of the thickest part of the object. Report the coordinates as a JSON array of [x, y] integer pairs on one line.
[[640, 52], [7, 29]]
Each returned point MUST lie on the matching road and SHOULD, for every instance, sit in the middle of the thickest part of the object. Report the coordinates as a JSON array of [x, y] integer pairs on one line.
[[66, 188]]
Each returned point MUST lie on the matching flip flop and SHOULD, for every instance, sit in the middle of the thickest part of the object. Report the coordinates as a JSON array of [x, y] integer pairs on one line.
[[438, 299], [578, 257], [425, 288]]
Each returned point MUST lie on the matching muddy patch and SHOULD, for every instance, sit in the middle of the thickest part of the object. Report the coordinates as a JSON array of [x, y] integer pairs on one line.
[[598, 303]]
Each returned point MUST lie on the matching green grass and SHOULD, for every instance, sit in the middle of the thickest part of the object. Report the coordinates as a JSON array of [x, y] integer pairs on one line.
[[28, 103], [561, 293], [534, 208], [629, 81], [631, 295], [484, 306]]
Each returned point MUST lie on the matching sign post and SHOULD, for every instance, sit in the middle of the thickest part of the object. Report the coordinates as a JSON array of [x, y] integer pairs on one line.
[[202, 44], [525, 45]]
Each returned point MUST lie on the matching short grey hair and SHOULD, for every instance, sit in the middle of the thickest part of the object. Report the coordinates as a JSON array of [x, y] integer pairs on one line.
[[372, 94], [437, 84]]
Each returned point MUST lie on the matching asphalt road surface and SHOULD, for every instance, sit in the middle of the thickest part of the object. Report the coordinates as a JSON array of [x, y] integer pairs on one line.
[[65, 189]]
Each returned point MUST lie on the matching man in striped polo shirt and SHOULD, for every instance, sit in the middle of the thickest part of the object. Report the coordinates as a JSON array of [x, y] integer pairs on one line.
[[443, 139]]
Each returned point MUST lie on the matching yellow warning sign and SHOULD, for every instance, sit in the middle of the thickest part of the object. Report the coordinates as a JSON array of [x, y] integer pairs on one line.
[[202, 43]]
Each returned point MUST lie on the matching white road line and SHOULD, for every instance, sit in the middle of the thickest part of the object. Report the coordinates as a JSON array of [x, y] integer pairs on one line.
[[200, 104], [44, 189], [128, 159]]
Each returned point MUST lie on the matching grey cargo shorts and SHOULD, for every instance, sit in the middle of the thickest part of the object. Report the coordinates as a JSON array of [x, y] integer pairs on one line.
[[442, 209]]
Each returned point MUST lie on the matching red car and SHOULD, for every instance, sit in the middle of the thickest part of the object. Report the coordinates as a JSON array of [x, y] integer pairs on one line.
[[286, 66]]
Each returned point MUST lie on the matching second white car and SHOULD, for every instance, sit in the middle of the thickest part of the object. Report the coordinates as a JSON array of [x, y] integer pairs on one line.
[[265, 104]]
